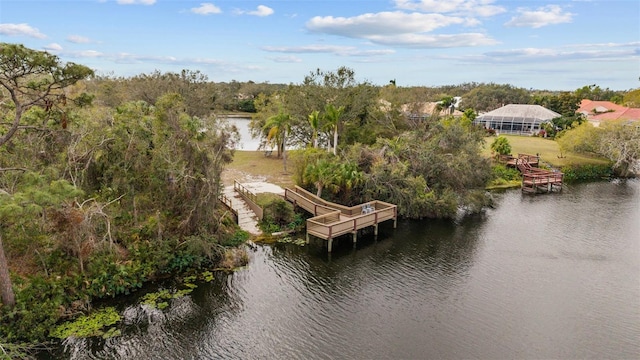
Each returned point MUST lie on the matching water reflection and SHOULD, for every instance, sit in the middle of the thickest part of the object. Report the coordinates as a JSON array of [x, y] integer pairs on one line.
[[552, 276]]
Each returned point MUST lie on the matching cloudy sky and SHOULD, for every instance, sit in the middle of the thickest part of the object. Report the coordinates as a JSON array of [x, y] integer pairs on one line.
[[556, 45]]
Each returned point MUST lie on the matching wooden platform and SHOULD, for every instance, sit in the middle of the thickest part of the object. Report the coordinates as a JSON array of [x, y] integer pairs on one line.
[[331, 220], [534, 179], [533, 160], [542, 182]]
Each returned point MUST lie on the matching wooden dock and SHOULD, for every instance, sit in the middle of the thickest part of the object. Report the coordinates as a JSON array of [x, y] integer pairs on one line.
[[534, 179], [332, 220], [532, 160], [536, 182]]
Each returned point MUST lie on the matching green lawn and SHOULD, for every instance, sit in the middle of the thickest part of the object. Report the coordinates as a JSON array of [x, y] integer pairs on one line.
[[255, 163], [548, 149]]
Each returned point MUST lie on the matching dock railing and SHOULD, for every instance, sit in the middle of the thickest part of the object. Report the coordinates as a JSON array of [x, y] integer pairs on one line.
[[227, 202], [249, 197], [331, 220]]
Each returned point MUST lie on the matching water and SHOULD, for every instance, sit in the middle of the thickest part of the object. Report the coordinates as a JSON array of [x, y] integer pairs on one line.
[[550, 276], [246, 141]]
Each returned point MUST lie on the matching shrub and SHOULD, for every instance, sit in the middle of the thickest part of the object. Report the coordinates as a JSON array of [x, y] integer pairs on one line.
[[237, 238], [503, 172], [277, 214], [576, 173], [501, 146]]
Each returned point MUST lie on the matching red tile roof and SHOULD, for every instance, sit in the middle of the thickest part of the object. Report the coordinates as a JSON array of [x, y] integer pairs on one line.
[[606, 110]]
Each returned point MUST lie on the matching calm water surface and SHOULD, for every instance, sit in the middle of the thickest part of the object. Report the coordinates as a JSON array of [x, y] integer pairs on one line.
[[247, 143], [550, 276]]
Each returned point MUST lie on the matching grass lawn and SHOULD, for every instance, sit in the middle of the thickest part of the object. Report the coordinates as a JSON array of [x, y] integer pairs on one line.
[[248, 166], [548, 149]]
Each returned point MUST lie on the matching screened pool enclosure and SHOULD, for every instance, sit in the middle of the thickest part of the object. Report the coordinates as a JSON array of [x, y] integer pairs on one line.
[[516, 119]]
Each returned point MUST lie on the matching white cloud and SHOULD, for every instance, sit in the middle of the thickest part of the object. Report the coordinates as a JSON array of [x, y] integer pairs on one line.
[[77, 39], [21, 30], [401, 29], [543, 16], [307, 49], [128, 58], [206, 9], [383, 23], [136, 2], [328, 49], [285, 59], [53, 47], [88, 54], [261, 11], [484, 8], [576, 52], [439, 41]]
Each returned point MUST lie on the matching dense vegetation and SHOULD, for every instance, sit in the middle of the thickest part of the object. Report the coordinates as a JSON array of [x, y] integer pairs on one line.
[[110, 182], [618, 141], [96, 200]]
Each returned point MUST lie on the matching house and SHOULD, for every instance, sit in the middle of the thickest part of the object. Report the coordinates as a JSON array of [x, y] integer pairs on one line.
[[597, 112], [517, 119]]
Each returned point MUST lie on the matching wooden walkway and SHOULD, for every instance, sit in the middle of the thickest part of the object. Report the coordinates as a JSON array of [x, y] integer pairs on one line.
[[532, 160], [331, 220], [534, 179]]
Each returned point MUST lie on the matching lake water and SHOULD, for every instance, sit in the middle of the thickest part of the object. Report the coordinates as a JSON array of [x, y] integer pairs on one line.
[[247, 143], [548, 276]]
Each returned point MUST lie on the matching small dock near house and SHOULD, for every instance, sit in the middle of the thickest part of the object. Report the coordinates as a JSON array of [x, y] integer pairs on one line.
[[332, 220], [534, 179]]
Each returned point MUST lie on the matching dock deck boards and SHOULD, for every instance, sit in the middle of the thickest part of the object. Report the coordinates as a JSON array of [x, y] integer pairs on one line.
[[331, 220], [534, 179]]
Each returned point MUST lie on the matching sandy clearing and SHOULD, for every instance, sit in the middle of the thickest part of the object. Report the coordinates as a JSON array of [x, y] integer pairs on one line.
[[258, 187]]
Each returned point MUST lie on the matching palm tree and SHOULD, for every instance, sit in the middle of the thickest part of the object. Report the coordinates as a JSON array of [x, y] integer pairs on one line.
[[347, 177], [277, 128], [314, 121], [332, 115], [322, 174]]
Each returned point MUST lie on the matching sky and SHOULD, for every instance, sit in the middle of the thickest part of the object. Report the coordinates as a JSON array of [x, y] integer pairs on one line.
[[552, 45]]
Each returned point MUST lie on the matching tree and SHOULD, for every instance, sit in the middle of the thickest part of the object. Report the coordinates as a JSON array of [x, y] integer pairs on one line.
[[31, 78], [487, 97], [594, 92], [34, 78], [620, 143], [617, 141], [583, 138], [469, 115], [6, 289], [348, 177], [322, 174], [332, 116], [278, 126], [314, 122], [430, 172], [632, 98]]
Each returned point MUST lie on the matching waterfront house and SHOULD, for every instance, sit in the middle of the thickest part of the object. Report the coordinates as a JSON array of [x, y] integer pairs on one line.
[[516, 119], [598, 112]]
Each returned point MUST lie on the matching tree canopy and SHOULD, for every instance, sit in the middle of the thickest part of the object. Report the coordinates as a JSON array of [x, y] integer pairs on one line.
[[31, 78]]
